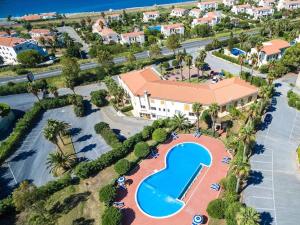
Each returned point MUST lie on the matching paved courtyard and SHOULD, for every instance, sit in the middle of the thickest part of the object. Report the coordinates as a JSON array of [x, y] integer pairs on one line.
[[274, 189]]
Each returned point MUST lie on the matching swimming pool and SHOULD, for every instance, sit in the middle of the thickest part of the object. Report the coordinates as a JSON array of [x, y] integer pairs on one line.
[[237, 52], [157, 28], [159, 195]]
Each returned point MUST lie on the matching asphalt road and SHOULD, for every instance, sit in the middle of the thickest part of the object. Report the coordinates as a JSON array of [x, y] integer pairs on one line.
[[141, 55], [274, 184]]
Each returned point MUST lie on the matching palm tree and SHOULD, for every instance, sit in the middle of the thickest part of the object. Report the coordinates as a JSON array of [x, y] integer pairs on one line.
[[248, 216], [271, 76], [181, 122], [199, 65], [53, 90], [189, 61], [253, 111], [241, 171], [254, 61], [246, 136], [57, 160], [231, 143], [32, 88], [213, 111], [243, 38], [197, 108], [241, 60], [50, 133], [180, 57]]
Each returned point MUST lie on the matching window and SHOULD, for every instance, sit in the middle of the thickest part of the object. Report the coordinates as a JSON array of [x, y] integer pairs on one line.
[[186, 107], [164, 110], [168, 110], [153, 108], [249, 98], [162, 102], [143, 107], [191, 114], [159, 109]]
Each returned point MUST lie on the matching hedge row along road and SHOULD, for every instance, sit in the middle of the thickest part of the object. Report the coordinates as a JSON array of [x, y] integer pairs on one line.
[[141, 55]]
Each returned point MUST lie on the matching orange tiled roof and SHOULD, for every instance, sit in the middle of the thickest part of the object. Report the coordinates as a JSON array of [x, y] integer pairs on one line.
[[151, 13], [262, 8], [243, 6], [133, 34], [32, 17], [178, 10], [223, 92], [274, 46], [11, 41], [40, 31], [173, 26], [107, 31]]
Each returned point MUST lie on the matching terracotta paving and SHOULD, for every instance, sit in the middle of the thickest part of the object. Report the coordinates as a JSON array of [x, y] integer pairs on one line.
[[198, 195]]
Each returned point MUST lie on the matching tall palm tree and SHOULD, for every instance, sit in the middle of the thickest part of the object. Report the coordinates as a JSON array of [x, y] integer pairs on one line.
[[253, 111], [243, 38], [248, 216], [197, 108], [213, 111], [32, 88], [188, 59], [241, 171], [246, 136], [231, 143], [241, 60], [50, 133], [254, 61], [53, 90], [180, 57], [181, 122], [199, 65], [57, 160]]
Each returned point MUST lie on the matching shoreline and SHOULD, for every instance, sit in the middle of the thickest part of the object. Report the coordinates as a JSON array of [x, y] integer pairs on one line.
[[110, 11]]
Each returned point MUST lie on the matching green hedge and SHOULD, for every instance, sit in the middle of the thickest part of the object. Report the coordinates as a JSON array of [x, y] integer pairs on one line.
[[17, 88], [27, 122], [228, 58], [127, 108], [256, 81], [108, 135], [107, 194], [293, 99], [98, 98]]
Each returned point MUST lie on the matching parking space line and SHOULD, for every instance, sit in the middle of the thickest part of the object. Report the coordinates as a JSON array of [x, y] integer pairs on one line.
[[12, 173], [258, 161], [293, 127], [267, 209], [260, 197], [265, 188]]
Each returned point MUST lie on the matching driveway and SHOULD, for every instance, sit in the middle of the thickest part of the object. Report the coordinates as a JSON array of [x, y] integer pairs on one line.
[[274, 186]]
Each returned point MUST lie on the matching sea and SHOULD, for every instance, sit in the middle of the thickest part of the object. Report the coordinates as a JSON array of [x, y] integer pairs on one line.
[[21, 7]]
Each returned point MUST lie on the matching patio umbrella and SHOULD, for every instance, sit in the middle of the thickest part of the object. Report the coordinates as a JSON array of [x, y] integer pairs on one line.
[[121, 180], [198, 219]]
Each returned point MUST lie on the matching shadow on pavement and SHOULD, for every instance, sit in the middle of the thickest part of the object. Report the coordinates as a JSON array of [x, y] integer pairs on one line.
[[6, 181], [23, 155], [88, 148], [255, 178], [84, 138], [266, 218], [258, 149], [129, 216], [74, 131], [88, 108]]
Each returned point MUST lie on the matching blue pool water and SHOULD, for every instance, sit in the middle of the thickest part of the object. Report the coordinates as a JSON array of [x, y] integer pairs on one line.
[[159, 194], [237, 52], [158, 28]]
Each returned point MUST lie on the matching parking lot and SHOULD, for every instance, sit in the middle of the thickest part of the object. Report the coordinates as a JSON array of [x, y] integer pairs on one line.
[[273, 188]]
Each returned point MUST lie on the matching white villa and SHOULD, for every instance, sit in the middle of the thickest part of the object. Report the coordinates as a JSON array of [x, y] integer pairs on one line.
[[230, 2], [108, 36], [154, 98], [147, 16], [267, 3], [203, 6], [271, 50], [237, 9], [10, 47], [259, 12], [195, 13], [211, 18], [178, 12], [37, 33], [169, 29], [288, 4], [113, 17], [133, 37]]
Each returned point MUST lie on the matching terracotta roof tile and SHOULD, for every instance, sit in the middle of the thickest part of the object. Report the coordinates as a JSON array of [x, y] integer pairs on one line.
[[274, 46], [133, 34], [172, 26], [11, 41]]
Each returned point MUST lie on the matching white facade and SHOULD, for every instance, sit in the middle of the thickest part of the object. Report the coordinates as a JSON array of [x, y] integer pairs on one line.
[[211, 18], [178, 12], [203, 6], [267, 3], [147, 16], [134, 37], [287, 4], [259, 12], [170, 29], [195, 13], [230, 2], [237, 9], [37, 33], [10, 47]]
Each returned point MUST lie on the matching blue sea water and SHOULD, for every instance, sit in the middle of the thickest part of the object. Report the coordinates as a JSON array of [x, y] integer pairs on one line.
[[159, 194], [21, 7]]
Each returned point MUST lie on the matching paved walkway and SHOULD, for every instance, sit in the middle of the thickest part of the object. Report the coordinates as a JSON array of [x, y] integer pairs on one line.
[[274, 188], [197, 197]]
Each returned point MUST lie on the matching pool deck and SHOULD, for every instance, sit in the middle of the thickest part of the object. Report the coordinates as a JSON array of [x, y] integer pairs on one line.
[[198, 195]]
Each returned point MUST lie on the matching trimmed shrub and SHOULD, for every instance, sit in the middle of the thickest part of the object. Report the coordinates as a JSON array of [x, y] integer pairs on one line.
[[122, 166], [231, 211], [141, 149], [127, 108], [264, 69], [159, 135], [4, 109], [206, 118], [98, 98], [147, 131], [99, 127], [107, 194], [111, 216], [7, 206], [108, 135], [230, 183], [216, 209]]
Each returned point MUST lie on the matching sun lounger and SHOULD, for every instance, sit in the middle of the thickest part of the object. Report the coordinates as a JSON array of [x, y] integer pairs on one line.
[[154, 154], [215, 187], [118, 204]]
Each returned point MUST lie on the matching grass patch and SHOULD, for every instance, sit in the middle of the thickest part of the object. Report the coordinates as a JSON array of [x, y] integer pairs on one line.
[[213, 221], [298, 153]]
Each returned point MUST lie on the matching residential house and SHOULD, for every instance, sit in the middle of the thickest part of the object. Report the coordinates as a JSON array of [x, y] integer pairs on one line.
[[147, 16], [208, 5], [99, 25], [267, 3], [271, 51], [109, 36], [37, 33], [42, 16], [10, 47], [154, 98], [259, 12], [195, 13], [288, 4], [178, 12], [210, 18], [237, 9], [169, 29], [230, 2], [114, 17], [133, 37]]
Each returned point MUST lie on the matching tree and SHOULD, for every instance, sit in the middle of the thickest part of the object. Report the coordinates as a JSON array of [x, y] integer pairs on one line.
[[130, 57], [241, 60], [241, 171], [199, 61], [216, 209], [291, 57], [248, 216], [107, 194], [57, 161], [154, 51], [105, 59], [243, 38], [246, 136], [181, 122], [4, 109], [53, 90], [98, 98], [73, 49], [197, 108], [24, 195], [180, 58], [112, 216], [33, 89], [172, 42], [188, 59], [50, 133], [213, 112], [254, 61], [29, 58], [122, 166], [70, 72], [141, 149], [159, 135]]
